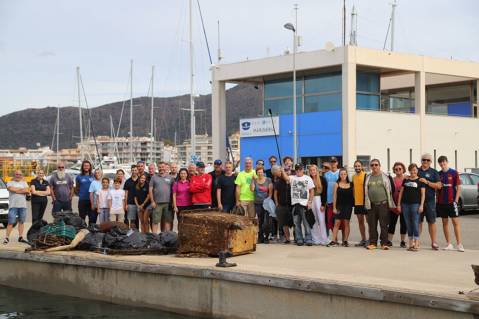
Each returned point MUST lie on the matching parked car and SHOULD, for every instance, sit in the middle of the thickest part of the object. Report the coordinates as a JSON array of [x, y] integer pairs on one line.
[[3, 203], [469, 197]]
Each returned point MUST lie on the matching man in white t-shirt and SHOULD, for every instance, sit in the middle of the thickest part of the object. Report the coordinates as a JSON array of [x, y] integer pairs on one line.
[[302, 193]]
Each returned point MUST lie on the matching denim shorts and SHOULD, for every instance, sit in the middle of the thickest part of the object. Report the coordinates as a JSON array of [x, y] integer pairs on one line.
[[17, 213]]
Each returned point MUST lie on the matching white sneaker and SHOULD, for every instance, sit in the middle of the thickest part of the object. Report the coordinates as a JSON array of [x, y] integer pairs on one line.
[[449, 247], [460, 248]]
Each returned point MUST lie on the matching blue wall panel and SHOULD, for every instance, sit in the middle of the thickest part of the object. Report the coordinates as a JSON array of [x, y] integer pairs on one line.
[[460, 109], [319, 134]]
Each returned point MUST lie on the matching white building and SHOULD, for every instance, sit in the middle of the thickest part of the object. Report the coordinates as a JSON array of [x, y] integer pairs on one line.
[[358, 103], [204, 150]]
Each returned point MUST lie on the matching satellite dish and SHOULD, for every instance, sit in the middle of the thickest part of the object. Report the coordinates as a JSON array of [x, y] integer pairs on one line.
[[329, 46]]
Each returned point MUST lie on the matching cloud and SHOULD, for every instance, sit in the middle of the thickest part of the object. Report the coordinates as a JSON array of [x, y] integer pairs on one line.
[[46, 54]]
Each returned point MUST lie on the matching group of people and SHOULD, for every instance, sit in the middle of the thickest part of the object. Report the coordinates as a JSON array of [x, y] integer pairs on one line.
[[310, 208]]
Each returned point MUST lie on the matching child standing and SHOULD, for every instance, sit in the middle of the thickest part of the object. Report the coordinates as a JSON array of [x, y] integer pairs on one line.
[[117, 212], [103, 200]]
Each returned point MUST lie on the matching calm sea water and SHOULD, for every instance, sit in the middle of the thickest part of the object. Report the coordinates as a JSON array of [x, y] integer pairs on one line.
[[19, 303]]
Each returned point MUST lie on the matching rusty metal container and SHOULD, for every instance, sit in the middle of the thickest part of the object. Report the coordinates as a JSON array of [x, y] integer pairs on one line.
[[207, 232]]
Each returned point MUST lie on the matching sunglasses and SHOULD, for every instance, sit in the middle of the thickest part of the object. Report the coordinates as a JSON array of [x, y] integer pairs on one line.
[[60, 167], [425, 160], [374, 165], [326, 167], [397, 169]]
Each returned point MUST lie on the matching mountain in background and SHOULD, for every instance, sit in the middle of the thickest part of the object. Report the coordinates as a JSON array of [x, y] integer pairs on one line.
[[31, 126]]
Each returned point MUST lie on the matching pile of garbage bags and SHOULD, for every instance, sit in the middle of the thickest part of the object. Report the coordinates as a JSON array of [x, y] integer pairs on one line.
[[109, 237]]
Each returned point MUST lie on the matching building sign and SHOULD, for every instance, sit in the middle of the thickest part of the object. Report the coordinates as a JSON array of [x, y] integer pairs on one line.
[[261, 126]]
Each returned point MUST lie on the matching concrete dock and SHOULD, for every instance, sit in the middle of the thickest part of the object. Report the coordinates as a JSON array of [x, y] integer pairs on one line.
[[278, 281]]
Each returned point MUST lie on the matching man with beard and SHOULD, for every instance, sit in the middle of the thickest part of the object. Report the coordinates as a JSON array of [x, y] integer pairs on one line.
[[359, 209], [62, 189]]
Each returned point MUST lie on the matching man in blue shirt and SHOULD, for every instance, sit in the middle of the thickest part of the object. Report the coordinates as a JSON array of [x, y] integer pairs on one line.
[[331, 177], [430, 177], [82, 187]]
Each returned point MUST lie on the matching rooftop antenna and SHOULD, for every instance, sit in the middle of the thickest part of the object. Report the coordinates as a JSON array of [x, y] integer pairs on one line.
[[220, 57], [354, 28], [391, 26], [344, 23]]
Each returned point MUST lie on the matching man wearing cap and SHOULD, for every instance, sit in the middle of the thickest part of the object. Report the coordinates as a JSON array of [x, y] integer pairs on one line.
[[302, 193], [331, 177], [244, 195], [215, 175], [430, 177], [200, 187]]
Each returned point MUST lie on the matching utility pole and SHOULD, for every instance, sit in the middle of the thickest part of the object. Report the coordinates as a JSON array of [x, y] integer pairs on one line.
[[344, 23], [219, 44], [354, 28], [393, 12]]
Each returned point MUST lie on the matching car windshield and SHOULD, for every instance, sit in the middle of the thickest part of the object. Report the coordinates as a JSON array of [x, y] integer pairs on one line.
[[2, 184]]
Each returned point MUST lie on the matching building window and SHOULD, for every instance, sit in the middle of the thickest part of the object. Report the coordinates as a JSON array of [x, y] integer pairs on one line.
[[452, 100], [364, 159], [314, 94], [398, 101], [367, 91]]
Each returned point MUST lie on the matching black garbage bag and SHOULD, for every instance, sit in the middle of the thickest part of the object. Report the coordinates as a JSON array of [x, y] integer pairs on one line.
[[91, 241], [113, 237], [134, 239], [34, 230], [169, 239], [94, 228], [153, 241], [69, 218]]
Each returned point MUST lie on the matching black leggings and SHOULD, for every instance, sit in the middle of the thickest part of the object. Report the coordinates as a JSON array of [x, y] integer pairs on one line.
[[393, 219], [38, 209]]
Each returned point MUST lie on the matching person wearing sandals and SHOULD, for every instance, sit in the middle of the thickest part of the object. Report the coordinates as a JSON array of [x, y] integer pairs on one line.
[[411, 204], [343, 203], [318, 231], [17, 202], [399, 170]]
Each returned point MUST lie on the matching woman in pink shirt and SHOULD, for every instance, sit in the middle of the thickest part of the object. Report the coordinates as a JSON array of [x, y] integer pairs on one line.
[[181, 192]]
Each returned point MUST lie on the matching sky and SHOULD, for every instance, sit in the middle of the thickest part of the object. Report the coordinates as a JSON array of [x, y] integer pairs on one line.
[[42, 42]]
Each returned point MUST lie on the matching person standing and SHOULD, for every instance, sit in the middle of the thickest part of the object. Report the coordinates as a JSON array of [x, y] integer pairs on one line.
[[411, 204], [282, 199], [118, 201], [120, 174], [225, 193], [173, 170], [244, 195], [447, 202], [142, 200], [131, 208], [262, 188], [302, 193], [62, 189], [160, 194], [191, 169], [288, 165], [82, 188], [200, 188], [141, 169], [103, 200], [151, 172], [343, 202], [359, 209], [331, 177], [378, 201], [40, 190], [215, 175], [272, 161], [95, 186], [318, 231], [181, 192], [394, 214], [430, 177], [17, 205]]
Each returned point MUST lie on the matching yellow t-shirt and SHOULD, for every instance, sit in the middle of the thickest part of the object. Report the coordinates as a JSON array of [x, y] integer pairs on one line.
[[358, 181]]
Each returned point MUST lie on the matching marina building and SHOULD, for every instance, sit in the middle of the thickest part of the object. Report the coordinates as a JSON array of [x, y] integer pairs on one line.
[[356, 103]]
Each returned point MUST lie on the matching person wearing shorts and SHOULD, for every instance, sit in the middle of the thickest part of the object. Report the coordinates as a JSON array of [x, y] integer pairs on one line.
[[331, 177], [17, 203], [282, 199], [359, 209], [160, 195], [430, 177], [447, 202], [343, 202], [131, 208]]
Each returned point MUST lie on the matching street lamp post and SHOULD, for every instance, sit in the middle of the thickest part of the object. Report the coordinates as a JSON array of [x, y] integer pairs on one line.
[[291, 27]]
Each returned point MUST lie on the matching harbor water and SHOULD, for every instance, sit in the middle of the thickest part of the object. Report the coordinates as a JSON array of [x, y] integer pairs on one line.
[[19, 303]]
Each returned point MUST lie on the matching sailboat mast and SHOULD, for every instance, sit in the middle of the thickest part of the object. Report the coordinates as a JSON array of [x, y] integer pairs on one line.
[[192, 99], [131, 111], [80, 114], [58, 134], [152, 111]]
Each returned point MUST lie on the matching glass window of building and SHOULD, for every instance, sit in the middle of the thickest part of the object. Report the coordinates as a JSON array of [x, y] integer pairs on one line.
[[322, 103], [282, 106], [323, 83], [452, 100], [367, 91], [398, 101]]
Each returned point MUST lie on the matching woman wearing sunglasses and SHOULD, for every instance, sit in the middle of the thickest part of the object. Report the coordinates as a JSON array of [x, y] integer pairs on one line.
[[399, 171]]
